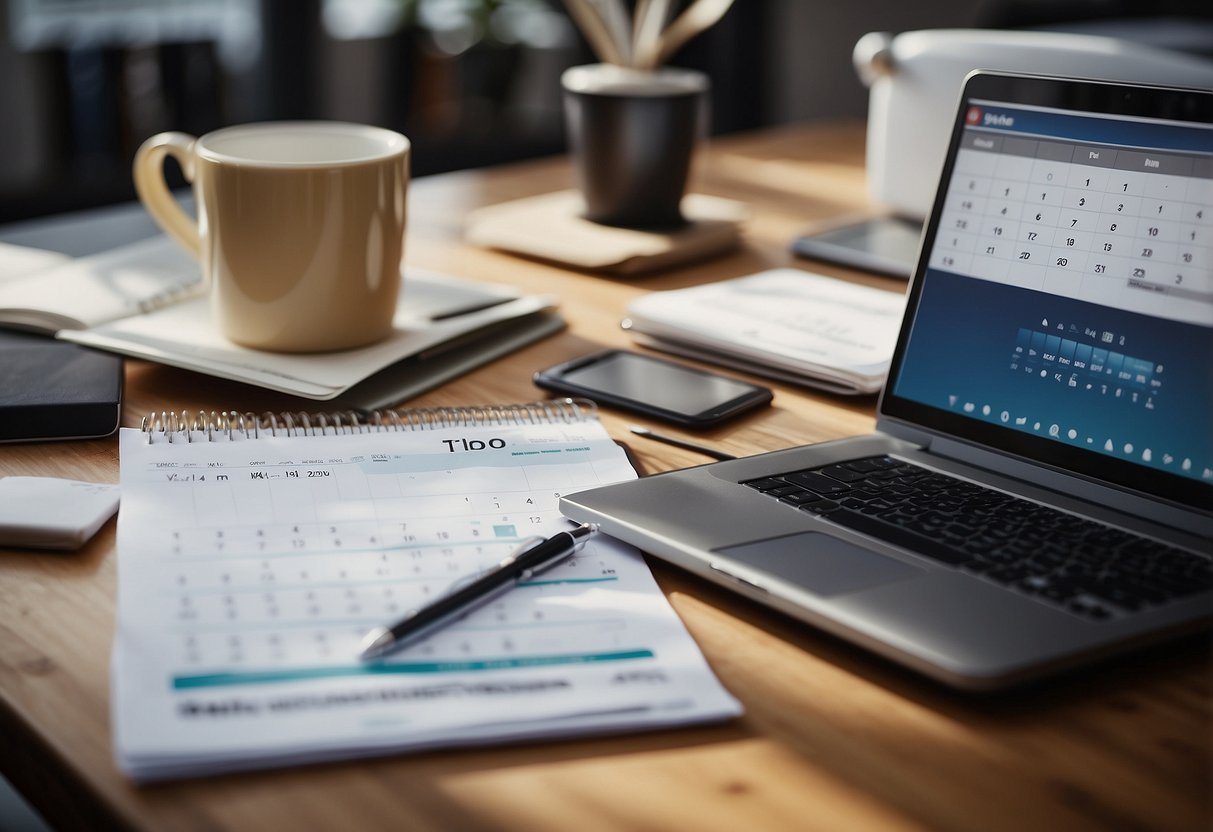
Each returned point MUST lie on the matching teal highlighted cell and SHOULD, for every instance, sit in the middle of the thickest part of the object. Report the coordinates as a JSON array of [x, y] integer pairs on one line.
[[505, 531], [265, 677]]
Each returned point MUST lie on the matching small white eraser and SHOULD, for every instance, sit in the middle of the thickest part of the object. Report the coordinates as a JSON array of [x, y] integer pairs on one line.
[[52, 513]]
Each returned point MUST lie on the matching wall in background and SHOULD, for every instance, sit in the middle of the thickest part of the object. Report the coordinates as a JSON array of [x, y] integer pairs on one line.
[[812, 42]]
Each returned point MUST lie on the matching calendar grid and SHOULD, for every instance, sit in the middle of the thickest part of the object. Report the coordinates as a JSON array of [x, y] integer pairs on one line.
[[1033, 214], [261, 562]]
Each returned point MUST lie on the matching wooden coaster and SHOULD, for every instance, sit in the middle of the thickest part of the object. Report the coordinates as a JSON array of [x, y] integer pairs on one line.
[[551, 227]]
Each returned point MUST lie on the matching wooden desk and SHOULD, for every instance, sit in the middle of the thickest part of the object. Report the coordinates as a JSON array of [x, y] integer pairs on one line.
[[832, 737]]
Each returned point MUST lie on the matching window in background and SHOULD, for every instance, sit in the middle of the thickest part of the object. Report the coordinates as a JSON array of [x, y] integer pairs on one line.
[[470, 82], [88, 80]]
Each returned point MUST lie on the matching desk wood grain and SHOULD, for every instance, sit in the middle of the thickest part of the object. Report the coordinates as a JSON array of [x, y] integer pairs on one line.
[[832, 737]]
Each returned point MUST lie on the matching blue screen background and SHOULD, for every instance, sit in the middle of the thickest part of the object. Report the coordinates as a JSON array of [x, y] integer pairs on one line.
[[963, 347]]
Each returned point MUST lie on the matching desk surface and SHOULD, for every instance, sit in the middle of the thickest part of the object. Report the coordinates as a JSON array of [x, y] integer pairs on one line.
[[832, 737]]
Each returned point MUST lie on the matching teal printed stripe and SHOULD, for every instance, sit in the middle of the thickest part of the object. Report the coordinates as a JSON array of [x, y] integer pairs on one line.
[[551, 451], [261, 677]]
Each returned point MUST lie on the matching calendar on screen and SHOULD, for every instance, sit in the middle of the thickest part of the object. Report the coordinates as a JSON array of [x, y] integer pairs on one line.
[[1071, 269], [1125, 227]]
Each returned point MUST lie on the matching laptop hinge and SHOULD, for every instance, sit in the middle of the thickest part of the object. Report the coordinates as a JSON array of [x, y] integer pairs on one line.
[[1153, 510]]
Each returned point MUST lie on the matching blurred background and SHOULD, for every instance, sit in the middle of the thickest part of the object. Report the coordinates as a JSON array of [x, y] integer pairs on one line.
[[471, 82]]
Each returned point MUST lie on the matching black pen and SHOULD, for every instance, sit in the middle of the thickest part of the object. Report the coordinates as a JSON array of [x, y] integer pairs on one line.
[[524, 563]]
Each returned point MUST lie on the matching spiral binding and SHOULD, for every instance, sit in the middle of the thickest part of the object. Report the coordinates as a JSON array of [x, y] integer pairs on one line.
[[217, 425]]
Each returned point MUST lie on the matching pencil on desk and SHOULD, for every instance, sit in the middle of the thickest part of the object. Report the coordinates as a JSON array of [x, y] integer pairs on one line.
[[681, 443]]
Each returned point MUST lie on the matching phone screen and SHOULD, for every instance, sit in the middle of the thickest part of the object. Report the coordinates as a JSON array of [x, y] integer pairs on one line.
[[652, 384], [657, 383], [888, 245]]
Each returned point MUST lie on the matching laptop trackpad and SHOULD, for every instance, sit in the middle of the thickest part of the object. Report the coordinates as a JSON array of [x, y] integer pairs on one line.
[[819, 563]]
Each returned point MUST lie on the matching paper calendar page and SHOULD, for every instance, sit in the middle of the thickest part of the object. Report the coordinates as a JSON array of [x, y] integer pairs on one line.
[[251, 569]]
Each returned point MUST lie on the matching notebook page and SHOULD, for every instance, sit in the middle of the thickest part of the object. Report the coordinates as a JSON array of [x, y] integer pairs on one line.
[[251, 569], [18, 261], [185, 335], [124, 281]]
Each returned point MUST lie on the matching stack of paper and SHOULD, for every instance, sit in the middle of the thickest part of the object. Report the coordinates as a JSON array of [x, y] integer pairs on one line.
[[784, 323]]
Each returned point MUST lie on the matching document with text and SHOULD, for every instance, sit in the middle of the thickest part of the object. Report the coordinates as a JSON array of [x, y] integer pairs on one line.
[[252, 565]]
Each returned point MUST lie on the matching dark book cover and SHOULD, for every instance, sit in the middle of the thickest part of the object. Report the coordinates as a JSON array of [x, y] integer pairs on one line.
[[55, 390]]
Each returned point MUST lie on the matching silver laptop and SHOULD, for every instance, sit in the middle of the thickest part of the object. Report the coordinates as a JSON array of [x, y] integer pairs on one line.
[[1039, 490]]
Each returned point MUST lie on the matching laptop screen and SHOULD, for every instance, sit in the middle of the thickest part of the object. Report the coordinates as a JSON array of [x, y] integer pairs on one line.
[[1063, 307]]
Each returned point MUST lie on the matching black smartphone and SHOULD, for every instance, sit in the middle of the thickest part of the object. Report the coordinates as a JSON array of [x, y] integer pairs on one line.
[[888, 245], [653, 386]]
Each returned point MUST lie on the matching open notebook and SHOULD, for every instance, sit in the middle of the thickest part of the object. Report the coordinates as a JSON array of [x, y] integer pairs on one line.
[[145, 300]]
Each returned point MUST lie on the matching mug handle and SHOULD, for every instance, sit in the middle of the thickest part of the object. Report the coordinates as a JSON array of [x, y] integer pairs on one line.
[[154, 193]]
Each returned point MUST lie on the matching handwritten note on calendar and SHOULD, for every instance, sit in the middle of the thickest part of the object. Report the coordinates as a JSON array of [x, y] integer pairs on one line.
[[251, 568]]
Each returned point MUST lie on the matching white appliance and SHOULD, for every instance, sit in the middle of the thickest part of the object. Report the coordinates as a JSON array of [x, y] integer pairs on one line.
[[915, 80]]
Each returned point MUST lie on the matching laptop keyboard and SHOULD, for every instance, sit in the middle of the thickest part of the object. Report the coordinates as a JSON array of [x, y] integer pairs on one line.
[[1090, 569]]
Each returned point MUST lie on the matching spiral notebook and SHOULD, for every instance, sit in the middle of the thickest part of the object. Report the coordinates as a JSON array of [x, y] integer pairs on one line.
[[255, 551]]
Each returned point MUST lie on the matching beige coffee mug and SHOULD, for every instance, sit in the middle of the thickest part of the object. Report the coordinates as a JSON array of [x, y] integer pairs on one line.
[[300, 227]]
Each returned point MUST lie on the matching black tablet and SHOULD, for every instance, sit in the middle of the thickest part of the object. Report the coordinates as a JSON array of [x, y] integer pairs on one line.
[[55, 390]]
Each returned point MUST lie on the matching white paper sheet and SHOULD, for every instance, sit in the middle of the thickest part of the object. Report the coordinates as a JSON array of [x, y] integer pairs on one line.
[[77, 294], [250, 570], [17, 261], [786, 323], [184, 335]]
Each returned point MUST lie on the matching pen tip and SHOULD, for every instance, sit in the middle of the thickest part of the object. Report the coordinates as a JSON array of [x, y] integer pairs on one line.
[[375, 643]]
